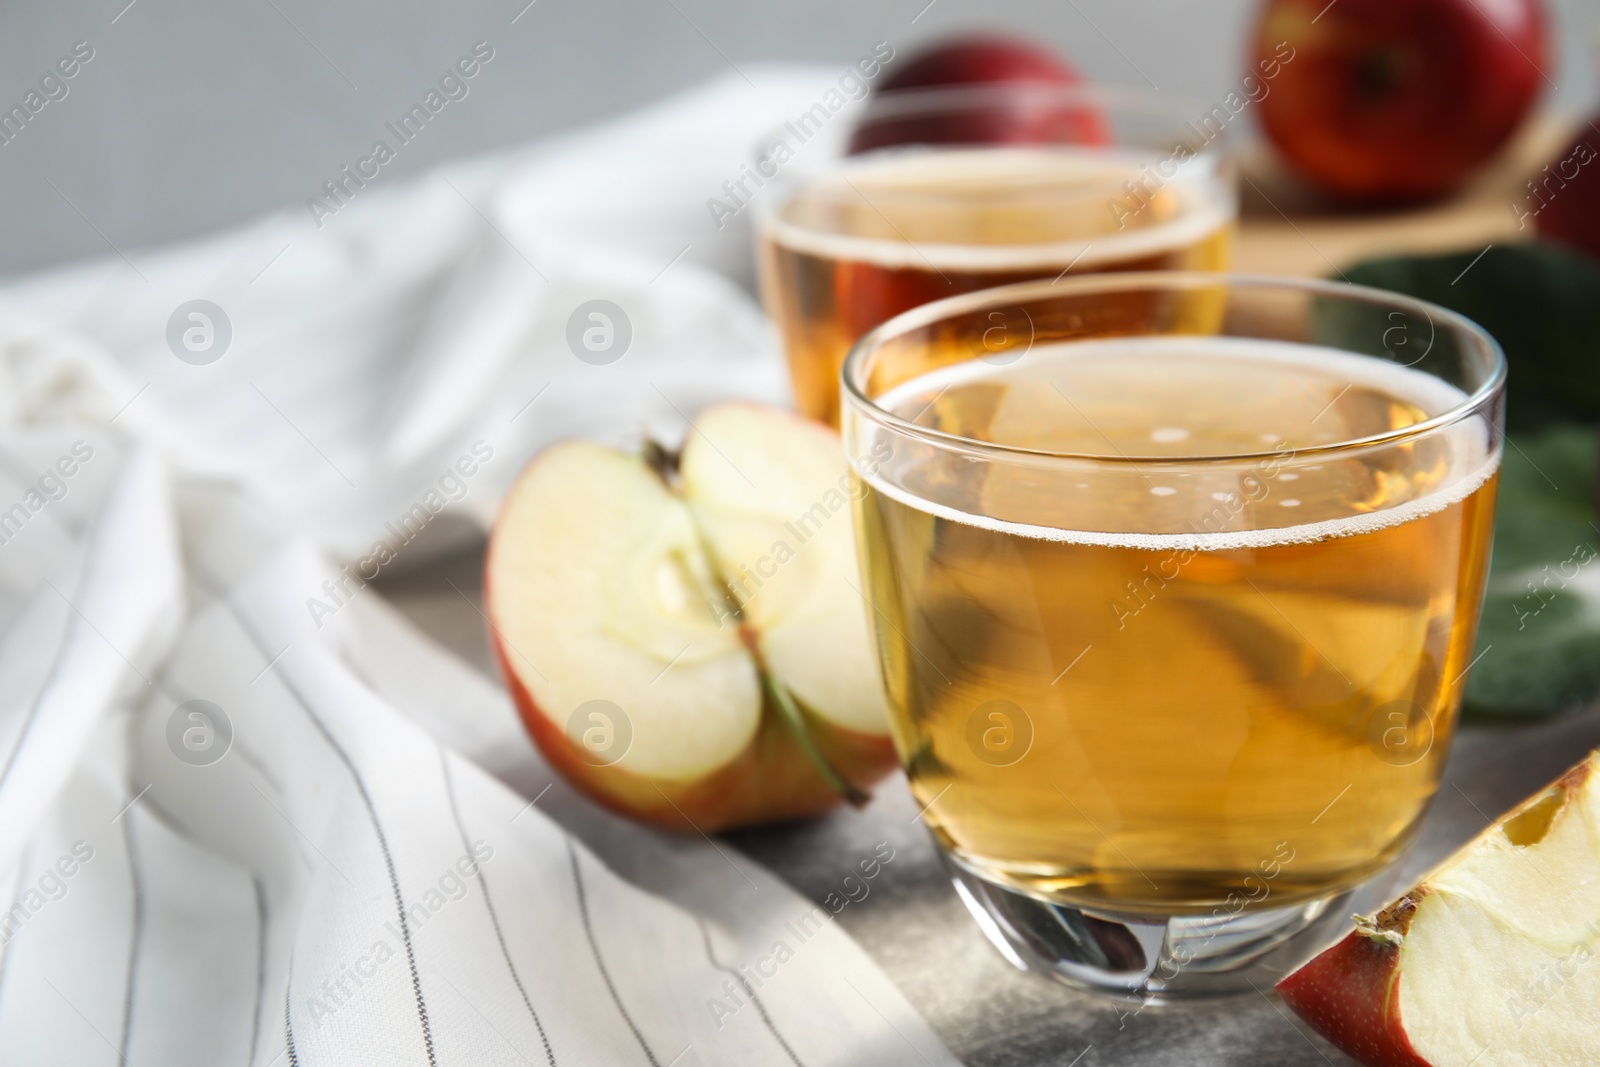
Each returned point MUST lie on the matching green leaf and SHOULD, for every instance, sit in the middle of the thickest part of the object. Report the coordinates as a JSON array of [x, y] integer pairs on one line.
[[1538, 649], [1541, 301], [1539, 638], [1546, 505]]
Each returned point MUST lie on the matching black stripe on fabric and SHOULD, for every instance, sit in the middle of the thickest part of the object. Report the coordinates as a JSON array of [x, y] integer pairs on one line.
[[288, 1021], [377, 829], [178, 827], [136, 938], [261, 965], [749, 991], [488, 902], [594, 947]]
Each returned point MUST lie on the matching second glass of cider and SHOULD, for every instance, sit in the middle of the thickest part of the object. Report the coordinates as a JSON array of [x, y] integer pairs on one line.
[[947, 191]]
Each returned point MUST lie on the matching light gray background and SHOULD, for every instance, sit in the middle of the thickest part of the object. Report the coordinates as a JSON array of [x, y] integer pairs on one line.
[[199, 113]]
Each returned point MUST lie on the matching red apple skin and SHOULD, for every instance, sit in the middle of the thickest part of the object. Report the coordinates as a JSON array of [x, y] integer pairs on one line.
[[1350, 994], [770, 781], [1025, 116], [1570, 189], [984, 59], [1388, 101]]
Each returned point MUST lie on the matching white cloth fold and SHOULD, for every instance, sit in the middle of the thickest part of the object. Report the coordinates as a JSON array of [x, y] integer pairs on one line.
[[237, 830]]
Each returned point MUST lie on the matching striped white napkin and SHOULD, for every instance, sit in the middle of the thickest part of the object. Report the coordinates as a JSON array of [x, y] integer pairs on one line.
[[237, 829]]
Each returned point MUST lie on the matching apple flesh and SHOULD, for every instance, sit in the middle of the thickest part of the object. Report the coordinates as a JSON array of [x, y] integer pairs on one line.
[[1022, 106], [682, 634], [1489, 960], [1383, 101]]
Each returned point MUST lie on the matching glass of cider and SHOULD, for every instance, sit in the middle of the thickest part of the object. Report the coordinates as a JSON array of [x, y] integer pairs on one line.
[[1085, 179], [1175, 578]]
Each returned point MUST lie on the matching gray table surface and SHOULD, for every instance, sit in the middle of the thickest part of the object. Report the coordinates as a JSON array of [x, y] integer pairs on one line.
[[915, 928]]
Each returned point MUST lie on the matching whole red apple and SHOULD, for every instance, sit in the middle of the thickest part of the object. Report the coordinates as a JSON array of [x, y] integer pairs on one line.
[[1397, 100], [1022, 105], [981, 59], [1563, 199]]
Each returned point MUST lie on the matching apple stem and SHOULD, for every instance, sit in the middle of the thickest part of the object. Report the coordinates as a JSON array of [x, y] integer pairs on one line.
[[1373, 930], [664, 462], [794, 718]]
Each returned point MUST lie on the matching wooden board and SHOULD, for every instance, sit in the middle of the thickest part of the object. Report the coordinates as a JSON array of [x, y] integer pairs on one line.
[[1282, 230]]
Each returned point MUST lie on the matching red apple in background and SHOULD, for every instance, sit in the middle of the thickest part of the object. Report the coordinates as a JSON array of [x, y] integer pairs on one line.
[[1397, 100], [981, 59], [683, 635], [1489, 960], [1563, 199], [1021, 103]]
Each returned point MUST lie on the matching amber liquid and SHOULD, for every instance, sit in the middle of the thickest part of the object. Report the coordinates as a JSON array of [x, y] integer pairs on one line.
[[1178, 689], [884, 236]]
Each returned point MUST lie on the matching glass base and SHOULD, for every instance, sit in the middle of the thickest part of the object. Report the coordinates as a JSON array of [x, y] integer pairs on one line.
[[1149, 958]]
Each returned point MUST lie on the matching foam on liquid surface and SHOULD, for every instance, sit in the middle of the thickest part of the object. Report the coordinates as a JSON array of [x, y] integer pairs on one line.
[[999, 209], [1164, 399]]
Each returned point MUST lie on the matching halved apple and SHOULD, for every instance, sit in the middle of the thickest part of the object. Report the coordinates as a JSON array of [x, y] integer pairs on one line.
[[1489, 960], [683, 634]]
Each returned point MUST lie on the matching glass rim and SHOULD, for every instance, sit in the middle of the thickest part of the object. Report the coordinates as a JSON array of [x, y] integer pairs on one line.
[[898, 104], [1203, 152], [1010, 295]]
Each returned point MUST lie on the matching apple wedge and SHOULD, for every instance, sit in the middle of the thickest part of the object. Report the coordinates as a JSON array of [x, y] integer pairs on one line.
[[1489, 960], [683, 634]]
